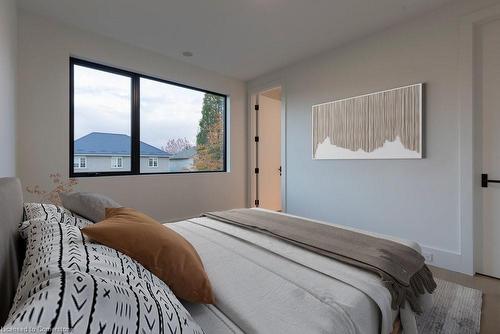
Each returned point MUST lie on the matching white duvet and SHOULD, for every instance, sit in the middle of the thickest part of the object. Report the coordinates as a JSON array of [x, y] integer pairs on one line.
[[265, 285]]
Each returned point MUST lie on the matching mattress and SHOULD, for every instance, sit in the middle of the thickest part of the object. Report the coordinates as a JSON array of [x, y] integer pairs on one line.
[[264, 285]]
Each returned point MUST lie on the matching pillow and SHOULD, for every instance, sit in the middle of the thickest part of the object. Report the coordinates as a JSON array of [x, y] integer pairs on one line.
[[41, 213], [89, 205], [158, 248], [71, 285]]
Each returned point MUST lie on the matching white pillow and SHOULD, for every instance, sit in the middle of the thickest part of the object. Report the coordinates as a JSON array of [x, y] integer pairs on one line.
[[88, 205]]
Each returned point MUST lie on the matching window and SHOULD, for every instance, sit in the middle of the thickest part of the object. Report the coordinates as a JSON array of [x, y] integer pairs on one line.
[[80, 162], [176, 119], [153, 162], [101, 116], [141, 122], [116, 162]]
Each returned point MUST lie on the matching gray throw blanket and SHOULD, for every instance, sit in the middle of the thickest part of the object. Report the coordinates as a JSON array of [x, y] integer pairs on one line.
[[401, 268]]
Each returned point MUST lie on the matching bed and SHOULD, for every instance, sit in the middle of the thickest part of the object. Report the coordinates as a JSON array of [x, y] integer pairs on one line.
[[261, 284], [279, 287]]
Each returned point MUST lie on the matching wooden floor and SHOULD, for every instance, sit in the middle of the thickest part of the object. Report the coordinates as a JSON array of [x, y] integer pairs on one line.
[[490, 317]]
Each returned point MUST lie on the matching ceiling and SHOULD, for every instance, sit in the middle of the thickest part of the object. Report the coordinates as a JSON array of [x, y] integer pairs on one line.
[[238, 38]]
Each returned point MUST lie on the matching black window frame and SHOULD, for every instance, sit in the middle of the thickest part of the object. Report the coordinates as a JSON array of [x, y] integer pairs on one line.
[[135, 168]]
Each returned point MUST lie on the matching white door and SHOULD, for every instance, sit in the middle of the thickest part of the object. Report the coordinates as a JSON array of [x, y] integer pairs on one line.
[[269, 151], [489, 96]]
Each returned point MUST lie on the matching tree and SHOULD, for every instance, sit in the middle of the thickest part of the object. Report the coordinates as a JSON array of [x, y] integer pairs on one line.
[[213, 107], [174, 146], [210, 138]]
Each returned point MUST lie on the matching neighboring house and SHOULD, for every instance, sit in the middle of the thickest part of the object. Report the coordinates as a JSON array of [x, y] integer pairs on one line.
[[109, 152], [183, 161]]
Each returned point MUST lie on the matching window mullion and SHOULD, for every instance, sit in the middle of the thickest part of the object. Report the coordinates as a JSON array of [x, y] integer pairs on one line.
[[136, 126]]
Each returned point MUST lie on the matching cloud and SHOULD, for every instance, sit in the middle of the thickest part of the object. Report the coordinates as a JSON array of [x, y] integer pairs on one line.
[[169, 111], [103, 104]]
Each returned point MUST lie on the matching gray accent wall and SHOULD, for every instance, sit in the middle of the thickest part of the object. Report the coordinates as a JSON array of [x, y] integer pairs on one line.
[[413, 199], [8, 82]]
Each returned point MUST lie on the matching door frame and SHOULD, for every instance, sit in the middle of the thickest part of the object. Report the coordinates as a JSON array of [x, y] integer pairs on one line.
[[251, 93], [470, 146]]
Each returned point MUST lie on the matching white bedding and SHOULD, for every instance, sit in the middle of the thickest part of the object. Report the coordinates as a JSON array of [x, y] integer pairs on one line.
[[211, 319], [265, 285]]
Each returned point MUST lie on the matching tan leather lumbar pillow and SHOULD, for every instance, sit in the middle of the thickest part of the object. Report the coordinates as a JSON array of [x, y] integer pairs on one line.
[[158, 248]]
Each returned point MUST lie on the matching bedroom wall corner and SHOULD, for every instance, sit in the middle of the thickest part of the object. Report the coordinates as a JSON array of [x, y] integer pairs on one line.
[[45, 47], [420, 200], [8, 85]]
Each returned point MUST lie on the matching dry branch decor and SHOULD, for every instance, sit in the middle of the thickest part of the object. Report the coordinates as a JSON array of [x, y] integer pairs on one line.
[[383, 125], [52, 196]]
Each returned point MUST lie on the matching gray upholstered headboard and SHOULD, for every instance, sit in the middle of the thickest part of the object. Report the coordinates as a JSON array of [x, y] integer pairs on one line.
[[11, 248]]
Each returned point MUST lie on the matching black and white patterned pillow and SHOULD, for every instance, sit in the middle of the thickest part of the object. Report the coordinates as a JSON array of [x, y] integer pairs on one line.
[[51, 213], [70, 284]]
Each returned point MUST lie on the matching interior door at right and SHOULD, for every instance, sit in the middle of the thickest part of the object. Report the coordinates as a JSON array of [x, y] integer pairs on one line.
[[489, 95]]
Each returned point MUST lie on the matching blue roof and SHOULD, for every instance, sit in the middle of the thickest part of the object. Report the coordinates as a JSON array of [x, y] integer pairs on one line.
[[100, 143]]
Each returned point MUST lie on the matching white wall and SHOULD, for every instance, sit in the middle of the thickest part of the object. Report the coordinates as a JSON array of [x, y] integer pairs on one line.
[[8, 55], [417, 199], [43, 133]]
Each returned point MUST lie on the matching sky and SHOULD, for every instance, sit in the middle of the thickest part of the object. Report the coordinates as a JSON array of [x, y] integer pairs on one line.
[[102, 104]]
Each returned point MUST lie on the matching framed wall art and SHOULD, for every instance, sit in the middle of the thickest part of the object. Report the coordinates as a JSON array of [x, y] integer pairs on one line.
[[382, 125]]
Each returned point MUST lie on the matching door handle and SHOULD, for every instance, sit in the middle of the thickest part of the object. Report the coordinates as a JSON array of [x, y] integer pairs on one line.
[[485, 180], [280, 170]]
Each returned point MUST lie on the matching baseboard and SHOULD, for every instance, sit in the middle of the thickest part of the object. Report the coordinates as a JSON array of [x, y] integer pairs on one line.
[[444, 259]]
